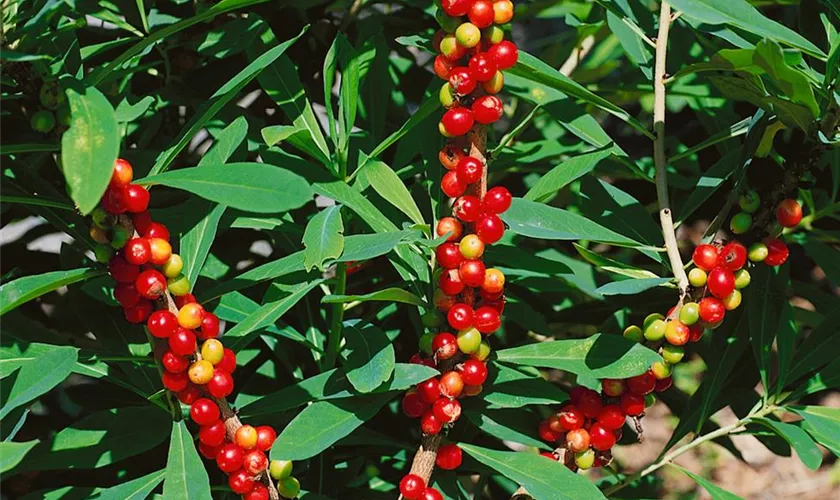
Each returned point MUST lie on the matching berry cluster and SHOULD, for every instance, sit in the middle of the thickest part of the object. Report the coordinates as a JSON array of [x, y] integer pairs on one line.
[[412, 486], [55, 109], [771, 251], [146, 271]]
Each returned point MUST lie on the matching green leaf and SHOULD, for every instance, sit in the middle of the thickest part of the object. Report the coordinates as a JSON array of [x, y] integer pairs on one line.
[[219, 100], [509, 425], [11, 453], [515, 387], [196, 242], [34, 371], [369, 356], [389, 186], [542, 478], [742, 15], [227, 141], [136, 489], [599, 356], [343, 193], [235, 307], [428, 107], [822, 423], [807, 451], [276, 134], [322, 424], [819, 348], [253, 187], [564, 173], [826, 378], [90, 146], [536, 220], [632, 286], [348, 96], [323, 238], [631, 41], [22, 290], [715, 491], [708, 183], [386, 295], [792, 82], [766, 298], [127, 112], [368, 246], [186, 478], [826, 256]]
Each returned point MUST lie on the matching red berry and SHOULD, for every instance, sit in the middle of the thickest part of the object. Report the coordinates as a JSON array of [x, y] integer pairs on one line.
[[137, 251], [449, 157], [221, 385], [189, 395], [695, 332], [590, 403], [711, 310], [457, 121], [255, 462], [445, 345], [431, 494], [429, 424], [632, 404], [141, 221], [443, 67], [182, 342], [230, 458], [612, 387], [413, 405], [212, 434], [611, 417], [789, 213], [135, 198], [777, 252], [452, 185], [487, 319], [260, 492], [705, 257], [156, 230], [481, 13], [204, 411], [228, 362], [266, 436], [451, 226], [664, 384], [429, 391], [241, 482], [449, 457], [112, 201], [462, 80], [122, 271], [412, 485], [207, 451], [551, 455], [447, 410], [468, 209], [139, 312], [451, 384], [460, 316], [546, 434], [472, 272], [483, 67], [175, 382], [577, 440], [450, 282], [487, 109], [473, 372], [209, 328], [126, 294], [182, 300], [469, 169], [642, 384], [570, 417], [505, 53], [733, 256], [497, 200], [162, 324], [721, 282], [174, 363], [601, 438], [150, 284], [448, 255], [123, 173], [490, 228]]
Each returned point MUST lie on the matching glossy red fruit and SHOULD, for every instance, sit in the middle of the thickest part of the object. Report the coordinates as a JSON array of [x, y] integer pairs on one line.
[[450, 282], [412, 485], [590, 403], [472, 272], [456, 8], [204, 411], [150, 284], [490, 228], [451, 226], [447, 410], [576, 393], [505, 53], [255, 462], [448, 255], [228, 362], [462, 80], [445, 345], [469, 169], [174, 363], [442, 67], [162, 324], [711, 310], [695, 332], [611, 417], [613, 387], [182, 342], [664, 384], [266, 435], [240, 482], [601, 438], [137, 251], [577, 440], [112, 201], [487, 109], [473, 372], [483, 67], [209, 328], [451, 384], [141, 221], [705, 257], [449, 157], [570, 417], [207, 451], [135, 198], [126, 294], [122, 271], [449, 457], [452, 185], [481, 13], [260, 492], [123, 174], [460, 316], [212, 434], [189, 395], [497, 200], [140, 312], [789, 213], [546, 434], [413, 405], [431, 494], [230, 458], [733, 256], [429, 390], [642, 384], [632, 404], [721, 282], [467, 208], [175, 382], [487, 319], [457, 121], [429, 424], [221, 385], [182, 300], [156, 230], [677, 333], [777, 252]]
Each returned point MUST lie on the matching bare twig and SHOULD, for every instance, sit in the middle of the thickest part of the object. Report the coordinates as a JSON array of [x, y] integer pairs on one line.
[[577, 55]]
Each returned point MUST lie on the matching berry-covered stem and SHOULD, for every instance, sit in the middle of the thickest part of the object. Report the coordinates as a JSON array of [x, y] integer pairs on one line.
[[478, 150], [659, 157]]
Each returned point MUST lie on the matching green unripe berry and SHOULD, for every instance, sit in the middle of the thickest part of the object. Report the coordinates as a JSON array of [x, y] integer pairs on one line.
[[447, 23], [633, 333], [690, 313], [447, 95], [63, 115], [120, 237], [468, 35], [585, 459], [289, 487], [493, 34], [740, 223], [103, 253], [650, 318], [650, 399], [697, 277], [661, 370], [43, 121], [758, 252], [432, 319], [672, 354], [102, 218], [425, 343], [749, 201], [732, 301], [51, 95], [173, 266], [280, 469], [655, 330], [742, 279], [469, 340], [178, 285], [483, 350]]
